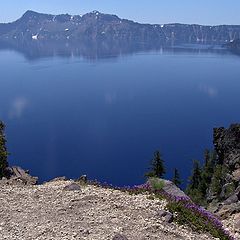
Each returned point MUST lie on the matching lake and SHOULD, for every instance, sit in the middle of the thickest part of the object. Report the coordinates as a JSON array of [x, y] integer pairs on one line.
[[105, 117]]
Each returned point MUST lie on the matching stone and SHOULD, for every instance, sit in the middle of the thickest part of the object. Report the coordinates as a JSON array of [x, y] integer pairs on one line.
[[228, 210], [120, 237], [169, 218], [19, 175], [72, 187], [237, 223], [170, 188], [83, 179], [231, 199], [161, 213], [59, 179], [236, 175], [227, 190], [166, 216]]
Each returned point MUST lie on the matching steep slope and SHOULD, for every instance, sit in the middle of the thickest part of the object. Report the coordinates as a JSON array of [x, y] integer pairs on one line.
[[96, 26], [50, 212]]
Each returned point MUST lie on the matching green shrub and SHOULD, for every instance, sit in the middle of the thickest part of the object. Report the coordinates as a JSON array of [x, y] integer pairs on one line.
[[156, 183]]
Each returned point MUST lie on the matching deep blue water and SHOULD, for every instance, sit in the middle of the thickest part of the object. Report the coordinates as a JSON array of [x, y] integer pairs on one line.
[[106, 117]]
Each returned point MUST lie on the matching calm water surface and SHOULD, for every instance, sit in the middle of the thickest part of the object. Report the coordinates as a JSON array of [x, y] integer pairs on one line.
[[105, 118]]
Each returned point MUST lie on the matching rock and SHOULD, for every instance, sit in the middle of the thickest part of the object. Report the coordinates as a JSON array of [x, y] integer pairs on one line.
[[19, 175], [237, 223], [227, 190], [120, 237], [73, 187], [170, 188], [169, 218], [228, 210], [82, 179], [59, 179], [227, 145], [165, 216], [236, 175], [231, 199], [161, 213]]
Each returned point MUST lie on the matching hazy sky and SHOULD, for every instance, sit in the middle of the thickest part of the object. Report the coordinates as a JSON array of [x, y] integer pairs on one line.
[[210, 12]]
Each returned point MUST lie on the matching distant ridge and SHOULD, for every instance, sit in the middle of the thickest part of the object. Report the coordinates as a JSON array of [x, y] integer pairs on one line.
[[96, 26]]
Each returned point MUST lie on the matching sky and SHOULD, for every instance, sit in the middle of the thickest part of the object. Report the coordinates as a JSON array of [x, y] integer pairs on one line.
[[207, 12]]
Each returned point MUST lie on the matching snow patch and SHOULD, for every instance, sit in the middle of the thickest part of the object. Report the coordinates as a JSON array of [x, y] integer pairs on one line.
[[35, 37]]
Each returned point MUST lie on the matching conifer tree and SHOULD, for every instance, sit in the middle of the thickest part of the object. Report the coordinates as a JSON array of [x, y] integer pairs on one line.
[[195, 179], [3, 152], [176, 178], [193, 188], [157, 166]]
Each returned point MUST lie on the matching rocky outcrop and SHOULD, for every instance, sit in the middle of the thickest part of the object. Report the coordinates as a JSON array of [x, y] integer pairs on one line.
[[171, 189], [227, 146], [17, 175]]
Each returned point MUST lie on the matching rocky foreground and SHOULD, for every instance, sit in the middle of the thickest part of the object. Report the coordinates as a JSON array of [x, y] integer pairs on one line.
[[65, 210]]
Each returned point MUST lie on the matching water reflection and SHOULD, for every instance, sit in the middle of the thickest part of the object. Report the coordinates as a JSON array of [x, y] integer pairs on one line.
[[94, 50], [71, 117]]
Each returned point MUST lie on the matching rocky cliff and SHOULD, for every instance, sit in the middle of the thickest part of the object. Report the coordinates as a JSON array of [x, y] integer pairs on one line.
[[96, 26], [227, 204]]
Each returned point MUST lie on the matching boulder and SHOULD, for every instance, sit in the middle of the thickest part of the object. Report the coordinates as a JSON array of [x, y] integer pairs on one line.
[[82, 179], [166, 216], [228, 210], [19, 175], [73, 187], [171, 189], [232, 199], [120, 237]]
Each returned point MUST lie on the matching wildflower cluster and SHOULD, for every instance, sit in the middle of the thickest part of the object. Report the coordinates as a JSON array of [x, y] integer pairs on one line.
[[188, 213]]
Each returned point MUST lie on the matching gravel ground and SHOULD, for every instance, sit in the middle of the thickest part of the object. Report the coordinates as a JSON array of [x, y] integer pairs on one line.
[[48, 211]]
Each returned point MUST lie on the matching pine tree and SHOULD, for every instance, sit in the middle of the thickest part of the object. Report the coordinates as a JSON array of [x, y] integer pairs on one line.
[[195, 179], [157, 166], [176, 178], [218, 180], [3, 152], [193, 188]]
